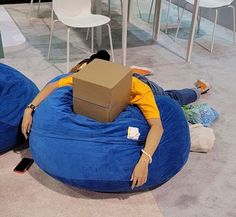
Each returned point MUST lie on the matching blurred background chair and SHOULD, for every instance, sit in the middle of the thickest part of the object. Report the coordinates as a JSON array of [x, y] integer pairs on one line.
[[77, 14], [210, 4]]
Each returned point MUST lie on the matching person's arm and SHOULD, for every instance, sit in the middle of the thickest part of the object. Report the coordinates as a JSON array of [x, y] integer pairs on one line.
[[27, 118], [140, 172]]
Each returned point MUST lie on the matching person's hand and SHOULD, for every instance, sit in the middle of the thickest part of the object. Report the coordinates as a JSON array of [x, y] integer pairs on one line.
[[26, 122], [140, 174]]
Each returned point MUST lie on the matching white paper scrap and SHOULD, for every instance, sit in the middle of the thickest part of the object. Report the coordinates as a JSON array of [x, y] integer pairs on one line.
[[133, 133]]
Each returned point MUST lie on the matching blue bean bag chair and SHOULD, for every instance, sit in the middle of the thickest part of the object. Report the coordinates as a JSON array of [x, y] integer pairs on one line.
[[82, 152], [16, 92]]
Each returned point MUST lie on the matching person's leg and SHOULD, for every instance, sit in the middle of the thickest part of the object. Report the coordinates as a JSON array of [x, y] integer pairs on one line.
[[156, 89], [184, 96]]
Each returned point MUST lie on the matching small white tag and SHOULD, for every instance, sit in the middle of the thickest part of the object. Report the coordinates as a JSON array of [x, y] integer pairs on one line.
[[133, 133]]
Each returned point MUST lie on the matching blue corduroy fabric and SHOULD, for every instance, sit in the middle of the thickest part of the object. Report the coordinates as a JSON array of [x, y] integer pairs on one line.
[[16, 92], [97, 156]]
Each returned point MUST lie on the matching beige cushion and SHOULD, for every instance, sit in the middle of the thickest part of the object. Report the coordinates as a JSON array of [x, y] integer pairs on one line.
[[202, 138]]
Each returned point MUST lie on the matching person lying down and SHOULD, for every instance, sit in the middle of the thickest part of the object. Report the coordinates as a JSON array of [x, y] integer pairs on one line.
[[143, 92]]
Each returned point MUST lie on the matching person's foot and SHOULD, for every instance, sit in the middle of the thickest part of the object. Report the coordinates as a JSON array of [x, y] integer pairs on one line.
[[203, 86], [141, 70]]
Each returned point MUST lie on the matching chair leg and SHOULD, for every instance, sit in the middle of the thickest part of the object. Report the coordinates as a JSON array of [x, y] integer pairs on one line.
[[233, 8], [150, 12], [111, 44], [167, 17], [213, 33], [92, 37], [129, 8], [51, 35], [30, 10], [180, 20], [109, 8], [52, 16], [121, 6], [199, 21], [178, 8], [68, 50], [139, 11], [87, 34], [39, 6]]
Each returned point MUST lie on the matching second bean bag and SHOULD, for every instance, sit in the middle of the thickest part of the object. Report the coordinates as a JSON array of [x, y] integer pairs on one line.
[[16, 92]]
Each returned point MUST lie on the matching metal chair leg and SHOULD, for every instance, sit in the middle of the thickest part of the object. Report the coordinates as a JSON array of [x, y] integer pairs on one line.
[[30, 10], [181, 17], [150, 12], [111, 44], [199, 21], [167, 17], [213, 33], [178, 8], [109, 8], [92, 37], [52, 15], [68, 51], [51, 35], [87, 34], [139, 11], [39, 6], [233, 8]]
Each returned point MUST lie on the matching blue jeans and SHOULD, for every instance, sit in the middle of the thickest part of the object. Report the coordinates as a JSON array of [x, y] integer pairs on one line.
[[183, 97]]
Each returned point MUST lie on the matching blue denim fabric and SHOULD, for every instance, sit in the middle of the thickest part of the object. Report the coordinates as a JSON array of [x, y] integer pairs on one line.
[[183, 97]]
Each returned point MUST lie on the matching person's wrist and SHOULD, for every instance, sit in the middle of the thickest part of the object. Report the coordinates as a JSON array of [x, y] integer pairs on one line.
[[28, 111], [146, 155], [144, 159], [31, 107]]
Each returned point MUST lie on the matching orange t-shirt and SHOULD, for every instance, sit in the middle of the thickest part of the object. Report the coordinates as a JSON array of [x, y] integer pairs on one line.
[[141, 95]]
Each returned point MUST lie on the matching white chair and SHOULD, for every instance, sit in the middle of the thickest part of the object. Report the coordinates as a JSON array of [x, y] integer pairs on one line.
[[210, 4], [77, 14], [39, 2]]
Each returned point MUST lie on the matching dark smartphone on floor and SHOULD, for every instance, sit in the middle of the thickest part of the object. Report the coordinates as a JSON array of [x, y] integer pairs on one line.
[[24, 165]]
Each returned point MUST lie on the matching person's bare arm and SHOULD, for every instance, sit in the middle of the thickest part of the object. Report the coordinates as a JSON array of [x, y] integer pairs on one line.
[[27, 118], [140, 172]]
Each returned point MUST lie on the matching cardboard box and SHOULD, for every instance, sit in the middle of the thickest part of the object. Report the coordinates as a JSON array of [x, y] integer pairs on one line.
[[101, 90]]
